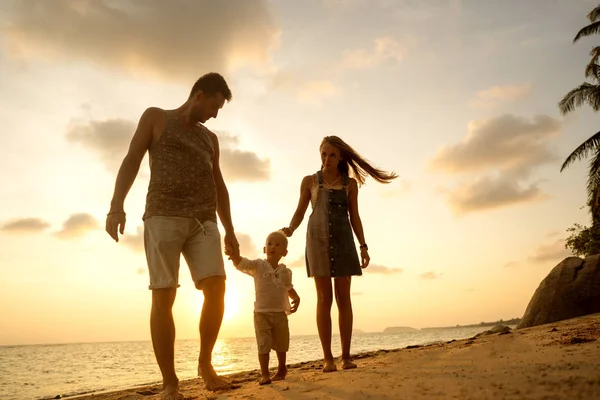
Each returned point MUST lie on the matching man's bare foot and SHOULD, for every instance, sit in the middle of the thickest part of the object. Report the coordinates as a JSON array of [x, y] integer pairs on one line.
[[264, 380], [212, 381], [281, 374], [329, 366], [347, 364], [171, 392]]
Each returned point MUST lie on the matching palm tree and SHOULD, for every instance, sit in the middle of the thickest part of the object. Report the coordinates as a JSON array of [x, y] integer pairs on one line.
[[587, 93]]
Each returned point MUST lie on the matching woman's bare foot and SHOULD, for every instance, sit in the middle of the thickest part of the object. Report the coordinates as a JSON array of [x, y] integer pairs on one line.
[[281, 374], [264, 380], [347, 364], [329, 366]]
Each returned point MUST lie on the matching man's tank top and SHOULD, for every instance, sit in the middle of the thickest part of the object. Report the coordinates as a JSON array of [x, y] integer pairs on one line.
[[181, 173]]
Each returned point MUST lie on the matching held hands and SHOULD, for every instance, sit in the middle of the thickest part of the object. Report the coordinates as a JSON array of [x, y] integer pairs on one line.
[[229, 251], [364, 256], [115, 224], [232, 247], [287, 231]]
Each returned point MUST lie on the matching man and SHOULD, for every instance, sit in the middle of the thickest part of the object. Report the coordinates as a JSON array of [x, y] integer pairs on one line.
[[185, 193]]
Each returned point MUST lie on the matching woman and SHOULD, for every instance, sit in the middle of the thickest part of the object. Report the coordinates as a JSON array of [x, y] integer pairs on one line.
[[330, 249]]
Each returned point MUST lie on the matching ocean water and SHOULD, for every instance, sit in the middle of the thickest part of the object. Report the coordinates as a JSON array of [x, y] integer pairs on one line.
[[45, 371]]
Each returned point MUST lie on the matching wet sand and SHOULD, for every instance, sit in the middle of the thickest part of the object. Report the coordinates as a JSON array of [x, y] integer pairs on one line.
[[555, 361]]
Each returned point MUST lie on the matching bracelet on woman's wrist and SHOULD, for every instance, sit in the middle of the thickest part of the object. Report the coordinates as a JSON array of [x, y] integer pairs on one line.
[[364, 246]]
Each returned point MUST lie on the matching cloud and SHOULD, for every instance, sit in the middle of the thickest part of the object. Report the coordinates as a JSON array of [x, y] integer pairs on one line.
[[241, 165], [141, 271], [308, 90], [506, 141], [77, 225], [299, 262], [248, 248], [336, 5], [488, 193], [380, 269], [553, 252], [371, 269], [385, 50], [134, 241], [179, 40], [358, 293], [512, 264], [109, 138], [500, 153], [397, 189], [25, 225], [315, 92], [497, 95], [430, 275]]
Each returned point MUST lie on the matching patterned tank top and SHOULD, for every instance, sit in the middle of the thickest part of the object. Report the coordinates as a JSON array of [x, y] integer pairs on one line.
[[181, 173]]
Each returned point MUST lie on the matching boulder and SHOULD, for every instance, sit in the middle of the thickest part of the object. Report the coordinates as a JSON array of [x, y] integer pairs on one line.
[[570, 290], [498, 329]]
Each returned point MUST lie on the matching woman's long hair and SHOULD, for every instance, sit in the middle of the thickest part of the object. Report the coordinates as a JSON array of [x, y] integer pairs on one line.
[[360, 167]]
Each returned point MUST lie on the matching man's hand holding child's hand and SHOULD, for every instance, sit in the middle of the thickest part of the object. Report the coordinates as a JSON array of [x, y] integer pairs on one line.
[[229, 252]]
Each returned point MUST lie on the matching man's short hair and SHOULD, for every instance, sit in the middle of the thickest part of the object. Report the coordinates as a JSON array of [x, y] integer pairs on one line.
[[211, 84]]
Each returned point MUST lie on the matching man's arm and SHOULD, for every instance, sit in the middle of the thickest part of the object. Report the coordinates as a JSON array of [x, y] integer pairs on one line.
[[140, 143], [223, 205]]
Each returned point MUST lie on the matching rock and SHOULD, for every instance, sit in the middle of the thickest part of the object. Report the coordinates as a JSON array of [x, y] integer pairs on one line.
[[498, 329], [571, 289]]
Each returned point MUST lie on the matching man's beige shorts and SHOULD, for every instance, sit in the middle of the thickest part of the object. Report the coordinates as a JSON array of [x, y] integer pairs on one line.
[[166, 238], [272, 332]]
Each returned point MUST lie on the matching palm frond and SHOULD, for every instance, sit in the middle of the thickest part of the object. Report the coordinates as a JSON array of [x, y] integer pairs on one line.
[[594, 15], [586, 92], [592, 70], [590, 145], [593, 185], [588, 30], [595, 53]]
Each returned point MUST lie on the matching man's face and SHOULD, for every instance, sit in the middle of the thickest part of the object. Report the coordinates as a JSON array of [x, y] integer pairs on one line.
[[207, 107]]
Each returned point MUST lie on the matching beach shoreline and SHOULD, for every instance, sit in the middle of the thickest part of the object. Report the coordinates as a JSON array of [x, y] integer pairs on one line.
[[552, 361]]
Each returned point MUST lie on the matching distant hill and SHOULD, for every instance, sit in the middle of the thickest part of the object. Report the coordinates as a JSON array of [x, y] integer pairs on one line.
[[358, 332], [397, 329], [514, 321]]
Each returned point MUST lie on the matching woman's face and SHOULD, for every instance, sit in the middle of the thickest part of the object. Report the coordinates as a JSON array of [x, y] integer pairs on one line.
[[330, 156]]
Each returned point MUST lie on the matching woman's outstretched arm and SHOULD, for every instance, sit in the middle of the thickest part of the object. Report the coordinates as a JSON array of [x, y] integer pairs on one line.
[[303, 202]]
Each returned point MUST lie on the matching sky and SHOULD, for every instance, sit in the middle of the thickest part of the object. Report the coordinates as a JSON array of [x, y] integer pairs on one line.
[[459, 98]]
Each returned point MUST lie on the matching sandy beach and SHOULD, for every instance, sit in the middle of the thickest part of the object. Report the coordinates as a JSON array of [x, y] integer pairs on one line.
[[555, 361]]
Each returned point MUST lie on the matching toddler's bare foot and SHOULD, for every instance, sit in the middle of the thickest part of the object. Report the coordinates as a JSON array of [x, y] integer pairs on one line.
[[347, 364], [265, 380], [281, 374], [329, 366]]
